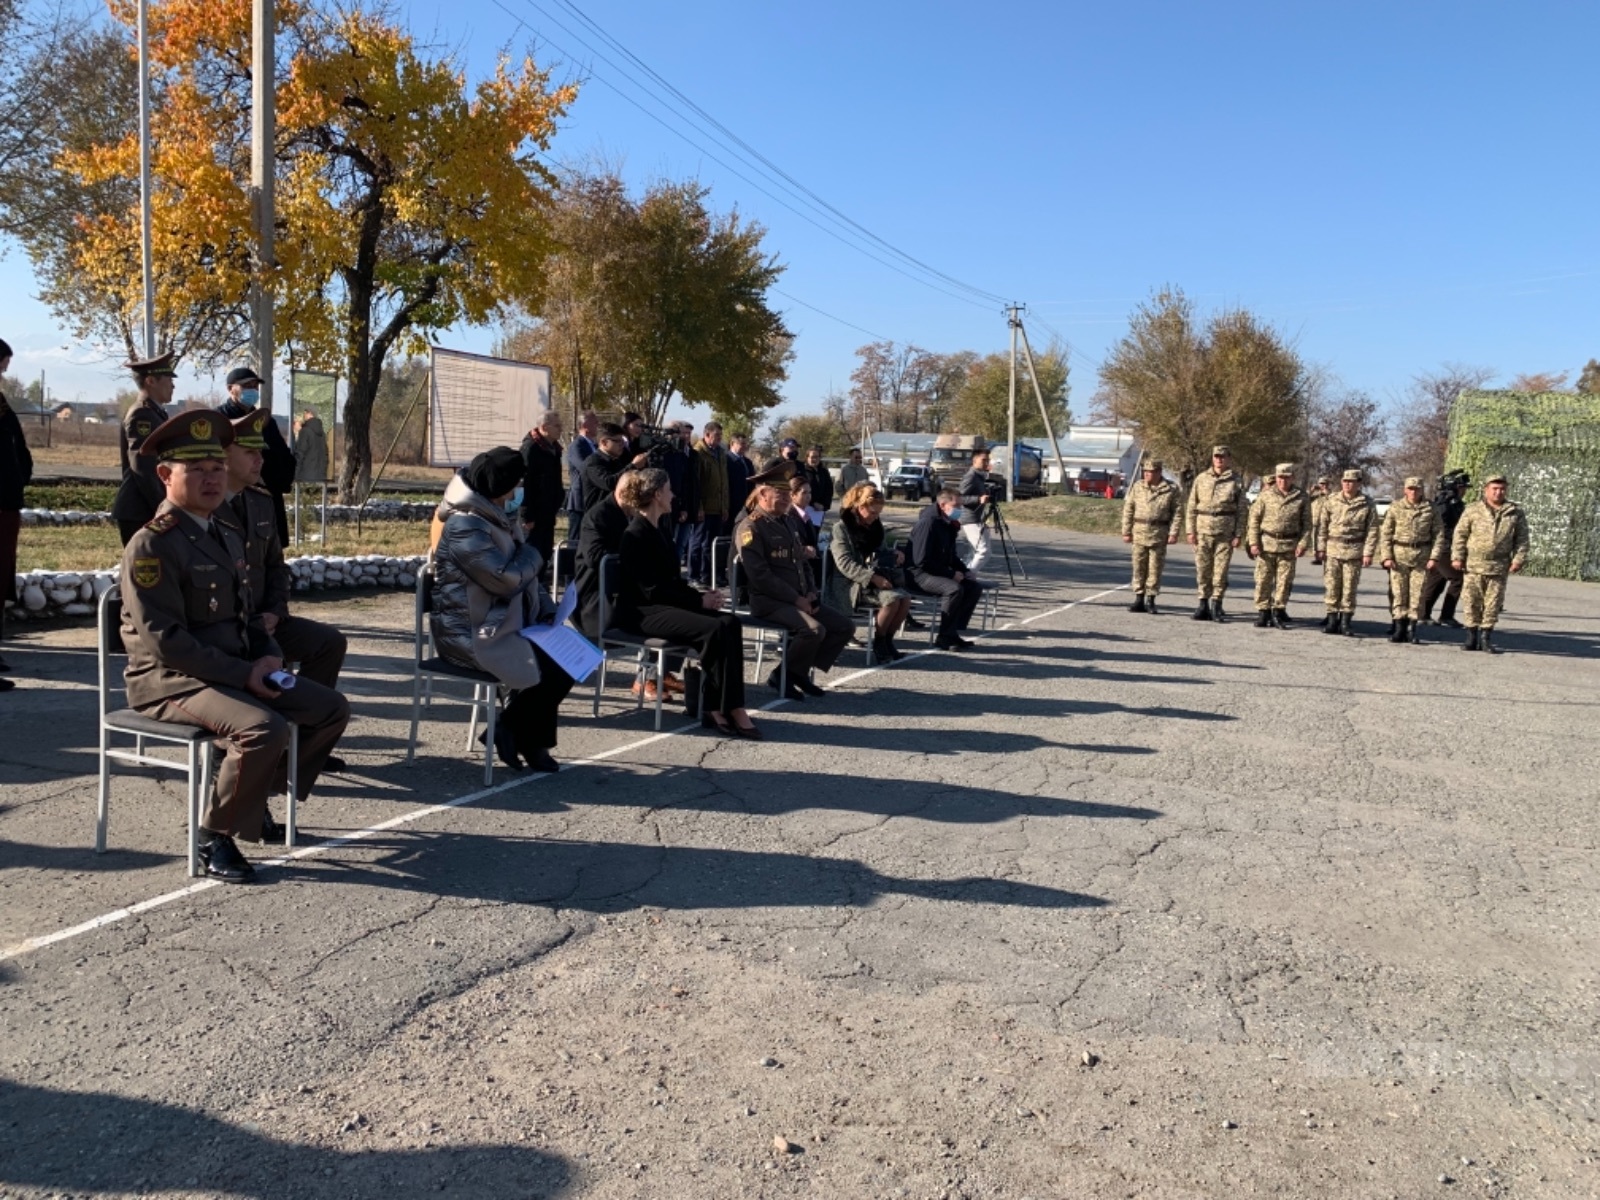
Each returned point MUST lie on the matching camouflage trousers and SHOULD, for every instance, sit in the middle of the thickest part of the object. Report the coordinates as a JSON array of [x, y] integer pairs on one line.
[[1274, 578], [1339, 579], [1148, 562], [1406, 581], [1484, 596], [1211, 558]]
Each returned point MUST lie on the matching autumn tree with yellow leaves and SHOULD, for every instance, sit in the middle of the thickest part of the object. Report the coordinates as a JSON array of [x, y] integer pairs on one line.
[[408, 200]]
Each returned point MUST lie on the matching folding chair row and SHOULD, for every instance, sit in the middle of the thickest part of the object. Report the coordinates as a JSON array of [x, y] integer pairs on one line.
[[644, 647]]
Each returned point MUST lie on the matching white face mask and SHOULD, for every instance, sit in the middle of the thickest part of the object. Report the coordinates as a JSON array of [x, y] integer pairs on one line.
[[515, 502]]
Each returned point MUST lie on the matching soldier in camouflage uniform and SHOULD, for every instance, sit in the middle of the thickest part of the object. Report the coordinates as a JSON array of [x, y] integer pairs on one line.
[[1347, 536], [1148, 512], [1279, 533], [1491, 541], [1410, 542], [1214, 519]]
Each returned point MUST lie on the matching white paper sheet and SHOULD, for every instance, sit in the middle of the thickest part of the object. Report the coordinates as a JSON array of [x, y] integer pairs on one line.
[[567, 648]]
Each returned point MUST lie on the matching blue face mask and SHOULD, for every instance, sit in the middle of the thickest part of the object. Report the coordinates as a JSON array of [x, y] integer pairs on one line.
[[515, 502], [249, 397]]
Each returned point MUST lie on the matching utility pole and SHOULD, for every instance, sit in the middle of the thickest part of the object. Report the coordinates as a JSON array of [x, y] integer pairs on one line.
[[144, 182], [1015, 321], [1044, 413], [263, 156]]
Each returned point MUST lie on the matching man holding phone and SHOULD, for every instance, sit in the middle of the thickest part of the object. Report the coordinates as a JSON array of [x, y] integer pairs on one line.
[[185, 613]]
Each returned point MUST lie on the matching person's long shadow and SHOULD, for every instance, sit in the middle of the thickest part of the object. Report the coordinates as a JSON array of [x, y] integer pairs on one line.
[[612, 877], [15, 855], [1085, 655], [1522, 641], [89, 1142], [995, 666]]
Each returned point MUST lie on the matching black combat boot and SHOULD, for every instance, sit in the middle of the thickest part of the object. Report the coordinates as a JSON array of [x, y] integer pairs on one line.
[[1202, 611], [1397, 631], [1411, 633], [1472, 640], [1344, 624], [1483, 640], [1330, 623], [1394, 627], [1263, 618], [1150, 604], [1447, 613], [1138, 603], [1217, 614], [1280, 618]]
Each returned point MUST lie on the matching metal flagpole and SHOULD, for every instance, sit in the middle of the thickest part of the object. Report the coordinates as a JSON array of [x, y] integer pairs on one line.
[[263, 156], [144, 182]]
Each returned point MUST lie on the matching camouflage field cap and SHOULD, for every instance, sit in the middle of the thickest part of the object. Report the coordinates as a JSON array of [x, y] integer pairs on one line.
[[249, 431], [1221, 451], [161, 364], [1350, 476], [189, 437], [1284, 469], [1323, 481], [1414, 481], [1495, 478], [1153, 464]]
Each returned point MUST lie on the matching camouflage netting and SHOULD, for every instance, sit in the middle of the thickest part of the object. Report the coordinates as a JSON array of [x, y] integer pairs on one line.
[[1548, 447]]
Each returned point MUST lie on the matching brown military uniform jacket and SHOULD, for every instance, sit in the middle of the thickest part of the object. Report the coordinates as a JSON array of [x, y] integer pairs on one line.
[[1217, 506], [184, 608], [254, 516], [1348, 528], [772, 559], [1280, 523], [1491, 542], [1148, 512], [140, 492], [1411, 534]]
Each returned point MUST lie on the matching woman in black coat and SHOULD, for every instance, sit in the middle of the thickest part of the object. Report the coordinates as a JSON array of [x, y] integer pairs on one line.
[[16, 470], [656, 602]]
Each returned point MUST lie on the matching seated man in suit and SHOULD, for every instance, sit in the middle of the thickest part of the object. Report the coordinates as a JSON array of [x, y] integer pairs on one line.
[[185, 623], [936, 569], [250, 508]]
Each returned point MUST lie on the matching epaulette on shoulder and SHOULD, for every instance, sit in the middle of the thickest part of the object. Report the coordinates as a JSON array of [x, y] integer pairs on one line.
[[259, 489], [162, 523]]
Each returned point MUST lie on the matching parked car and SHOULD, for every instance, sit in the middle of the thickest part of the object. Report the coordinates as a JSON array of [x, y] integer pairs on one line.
[[911, 482]]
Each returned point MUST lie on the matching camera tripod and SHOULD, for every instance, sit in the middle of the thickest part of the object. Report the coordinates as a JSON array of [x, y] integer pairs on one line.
[[995, 520]]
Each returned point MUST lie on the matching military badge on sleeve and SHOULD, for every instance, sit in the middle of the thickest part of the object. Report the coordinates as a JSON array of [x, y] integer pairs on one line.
[[747, 537], [146, 572]]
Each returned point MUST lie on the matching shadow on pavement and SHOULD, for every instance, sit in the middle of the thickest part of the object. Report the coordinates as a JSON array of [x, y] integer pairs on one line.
[[96, 1142], [905, 702], [15, 855]]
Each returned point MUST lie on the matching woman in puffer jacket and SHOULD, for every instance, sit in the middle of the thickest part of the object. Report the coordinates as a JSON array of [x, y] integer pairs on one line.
[[486, 590]]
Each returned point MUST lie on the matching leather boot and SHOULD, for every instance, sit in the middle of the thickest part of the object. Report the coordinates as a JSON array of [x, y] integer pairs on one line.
[[1280, 618], [1138, 603], [1472, 640], [1484, 643], [1394, 627], [1202, 611], [1217, 614], [1447, 612], [1344, 624], [1411, 632], [1397, 631], [1330, 623], [1263, 618], [1150, 604]]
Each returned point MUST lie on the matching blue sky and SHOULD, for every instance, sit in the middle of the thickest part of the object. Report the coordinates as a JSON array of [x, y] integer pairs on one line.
[[1394, 185]]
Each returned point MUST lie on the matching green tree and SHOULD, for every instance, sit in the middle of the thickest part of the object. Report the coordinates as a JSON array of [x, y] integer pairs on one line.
[[1422, 433], [983, 403], [1589, 378], [1344, 431], [811, 429], [1185, 387]]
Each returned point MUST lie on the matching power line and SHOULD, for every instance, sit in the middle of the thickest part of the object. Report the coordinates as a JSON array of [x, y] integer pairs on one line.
[[824, 312]]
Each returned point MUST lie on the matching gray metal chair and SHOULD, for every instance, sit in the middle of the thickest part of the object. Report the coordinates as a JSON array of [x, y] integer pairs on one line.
[[198, 742], [644, 647], [760, 631], [427, 665]]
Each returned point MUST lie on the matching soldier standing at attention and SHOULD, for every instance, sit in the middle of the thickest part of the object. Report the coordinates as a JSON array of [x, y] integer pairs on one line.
[[1214, 519], [1410, 543], [1279, 532], [1490, 541], [1319, 497], [1148, 512], [1450, 502], [140, 493], [1348, 538], [318, 648], [185, 622]]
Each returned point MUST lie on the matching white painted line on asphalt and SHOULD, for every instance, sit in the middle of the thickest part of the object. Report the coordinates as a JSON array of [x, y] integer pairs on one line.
[[322, 846]]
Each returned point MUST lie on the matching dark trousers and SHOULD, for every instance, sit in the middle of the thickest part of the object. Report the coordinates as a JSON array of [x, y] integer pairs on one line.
[[542, 537], [530, 714], [126, 529], [318, 648], [815, 639], [708, 530], [719, 639], [574, 520], [1442, 577], [957, 601], [682, 538]]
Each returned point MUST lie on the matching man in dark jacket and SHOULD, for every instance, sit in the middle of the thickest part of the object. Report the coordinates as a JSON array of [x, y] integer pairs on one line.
[[16, 472], [740, 468], [578, 452], [816, 473], [1444, 579], [140, 492], [605, 466], [599, 535], [683, 473], [713, 516], [936, 569], [542, 489], [277, 463]]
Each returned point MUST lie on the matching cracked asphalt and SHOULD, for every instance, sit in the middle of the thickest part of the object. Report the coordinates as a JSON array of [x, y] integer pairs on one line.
[[1116, 905]]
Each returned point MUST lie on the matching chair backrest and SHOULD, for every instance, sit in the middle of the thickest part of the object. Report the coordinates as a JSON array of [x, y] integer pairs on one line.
[[824, 546], [563, 567], [424, 605], [721, 548], [609, 566], [108, 620]]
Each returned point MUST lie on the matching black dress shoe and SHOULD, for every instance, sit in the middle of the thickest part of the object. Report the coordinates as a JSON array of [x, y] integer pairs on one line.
[[792, 692], [335, 763], [914, 624], [223, 861], [272, 834], [541, 760], [811, 689], [505, 746], [950, 644]]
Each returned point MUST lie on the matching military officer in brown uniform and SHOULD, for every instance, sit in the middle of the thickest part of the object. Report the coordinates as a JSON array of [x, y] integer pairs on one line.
[[1347, 536], [1411, 543], [1214, 519], [141, 493], [1490, 542], [1279, 533], [772, 561], [191, 655], [318, 649], [1148, 511]]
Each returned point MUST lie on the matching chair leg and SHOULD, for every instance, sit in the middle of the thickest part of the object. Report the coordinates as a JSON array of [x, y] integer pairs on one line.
[[199, 760], [416, 714], [488, 739], [599, 683], [472, 721], [103, 806], [661, 684], [761, 654], [292, 780]]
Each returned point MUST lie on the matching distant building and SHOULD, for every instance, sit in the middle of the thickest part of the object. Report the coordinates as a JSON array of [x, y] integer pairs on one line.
[[62, 412]]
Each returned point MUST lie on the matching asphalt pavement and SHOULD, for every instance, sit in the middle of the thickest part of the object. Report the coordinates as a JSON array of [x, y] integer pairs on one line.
[[1114, 904]]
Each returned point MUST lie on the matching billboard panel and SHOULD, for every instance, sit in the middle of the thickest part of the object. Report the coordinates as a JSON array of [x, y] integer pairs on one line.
[[477, 402]]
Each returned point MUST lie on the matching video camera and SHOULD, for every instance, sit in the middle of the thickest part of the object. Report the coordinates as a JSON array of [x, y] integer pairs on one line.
[[656, 442]]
